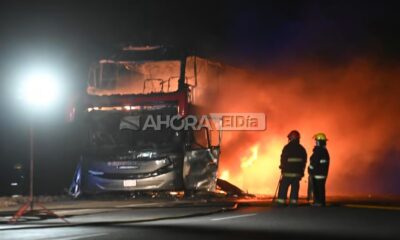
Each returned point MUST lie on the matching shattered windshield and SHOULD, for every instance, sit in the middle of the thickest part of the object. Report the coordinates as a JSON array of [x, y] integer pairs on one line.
[[125, 129], [134, 77]]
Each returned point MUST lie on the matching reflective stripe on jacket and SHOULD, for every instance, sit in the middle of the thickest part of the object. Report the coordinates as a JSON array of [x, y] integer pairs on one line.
[[292, 175], [293, 159], [319, 162], [319, 177]]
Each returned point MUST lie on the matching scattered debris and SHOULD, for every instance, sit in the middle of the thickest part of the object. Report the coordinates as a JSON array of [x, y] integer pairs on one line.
[[231, 190]]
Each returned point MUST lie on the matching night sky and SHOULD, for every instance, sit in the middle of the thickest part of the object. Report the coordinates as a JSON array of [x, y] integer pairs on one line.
[[248, 34]]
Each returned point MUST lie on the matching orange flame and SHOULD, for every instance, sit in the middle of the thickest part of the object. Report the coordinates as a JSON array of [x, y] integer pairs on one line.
[[259, 168], [339, 101], [224, 175], [247, 162]]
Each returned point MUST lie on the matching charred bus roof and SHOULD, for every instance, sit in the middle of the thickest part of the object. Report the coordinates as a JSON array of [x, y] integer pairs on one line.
[[147, 52]]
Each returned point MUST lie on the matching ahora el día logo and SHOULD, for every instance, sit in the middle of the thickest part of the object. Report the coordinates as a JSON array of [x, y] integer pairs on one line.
[[212, 121]]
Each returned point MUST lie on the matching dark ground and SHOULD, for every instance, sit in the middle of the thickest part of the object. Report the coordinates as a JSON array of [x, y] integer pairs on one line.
[[218, 220]]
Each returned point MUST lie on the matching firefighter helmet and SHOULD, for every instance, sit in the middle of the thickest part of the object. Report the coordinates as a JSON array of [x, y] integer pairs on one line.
[[320, 137], [294, 134]]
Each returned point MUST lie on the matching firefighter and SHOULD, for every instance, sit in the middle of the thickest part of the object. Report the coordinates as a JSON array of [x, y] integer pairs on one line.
[[293, 163], [318, 168]]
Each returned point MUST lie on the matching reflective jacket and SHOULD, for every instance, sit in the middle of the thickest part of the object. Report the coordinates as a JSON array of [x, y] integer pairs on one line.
[[319, 162], [293, 159]]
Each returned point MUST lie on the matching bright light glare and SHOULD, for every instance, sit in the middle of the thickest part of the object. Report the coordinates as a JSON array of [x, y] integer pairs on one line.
[[40, 88]]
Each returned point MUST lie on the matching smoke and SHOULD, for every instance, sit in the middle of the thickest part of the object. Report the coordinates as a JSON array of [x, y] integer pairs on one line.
[[356, 104]]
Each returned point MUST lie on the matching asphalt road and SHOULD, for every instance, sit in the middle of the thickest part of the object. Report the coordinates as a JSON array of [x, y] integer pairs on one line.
[[218, 222]]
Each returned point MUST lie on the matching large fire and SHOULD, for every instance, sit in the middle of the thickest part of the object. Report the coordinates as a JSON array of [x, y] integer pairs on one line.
[[355, 104], [258, 169]]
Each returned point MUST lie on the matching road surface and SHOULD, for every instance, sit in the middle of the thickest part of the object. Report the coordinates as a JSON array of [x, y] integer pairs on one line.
[[215, 221]]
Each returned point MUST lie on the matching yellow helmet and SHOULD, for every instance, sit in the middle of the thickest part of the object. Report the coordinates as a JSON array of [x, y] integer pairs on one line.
[[320, 137]]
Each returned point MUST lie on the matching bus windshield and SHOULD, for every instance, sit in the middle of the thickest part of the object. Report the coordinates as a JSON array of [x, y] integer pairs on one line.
[[109, 129], [134, 77]]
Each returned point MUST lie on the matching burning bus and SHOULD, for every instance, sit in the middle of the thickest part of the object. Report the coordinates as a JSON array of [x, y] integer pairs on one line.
[[120, 153]]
